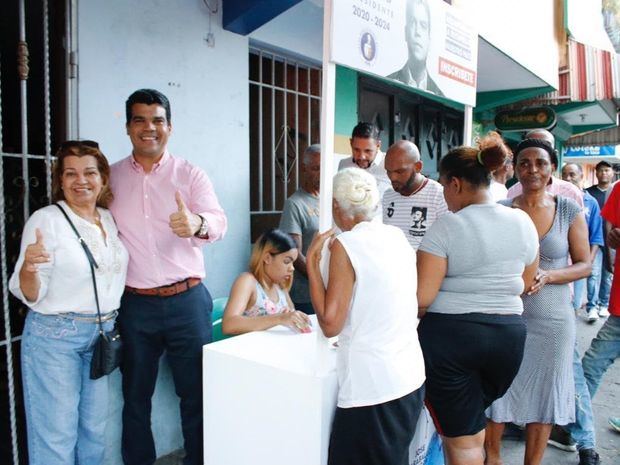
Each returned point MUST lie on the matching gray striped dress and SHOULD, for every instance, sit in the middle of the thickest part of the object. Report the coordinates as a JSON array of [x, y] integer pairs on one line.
[[543, 390]]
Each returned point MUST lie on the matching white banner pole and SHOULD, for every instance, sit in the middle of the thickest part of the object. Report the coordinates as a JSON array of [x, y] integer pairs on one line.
[[468, 125], [328, 105]]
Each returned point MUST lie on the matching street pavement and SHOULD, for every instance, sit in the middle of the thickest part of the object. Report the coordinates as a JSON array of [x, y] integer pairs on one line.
[[606, 403]]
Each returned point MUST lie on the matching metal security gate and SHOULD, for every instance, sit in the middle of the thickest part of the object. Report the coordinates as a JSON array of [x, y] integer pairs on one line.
[[285, 105], [37, 86]]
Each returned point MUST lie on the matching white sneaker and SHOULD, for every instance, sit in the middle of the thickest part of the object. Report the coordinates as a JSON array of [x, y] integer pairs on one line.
[[592, 315], [603, 312]]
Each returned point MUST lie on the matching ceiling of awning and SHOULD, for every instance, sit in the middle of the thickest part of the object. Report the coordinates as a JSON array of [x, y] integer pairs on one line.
[[497, 71], [603, 137]]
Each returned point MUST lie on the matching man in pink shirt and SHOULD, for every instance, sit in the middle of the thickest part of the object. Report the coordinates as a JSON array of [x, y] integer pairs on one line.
[[556, 186], [166, 211]]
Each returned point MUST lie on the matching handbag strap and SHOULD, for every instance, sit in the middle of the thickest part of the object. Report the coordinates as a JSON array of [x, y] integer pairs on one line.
[[91, 261]]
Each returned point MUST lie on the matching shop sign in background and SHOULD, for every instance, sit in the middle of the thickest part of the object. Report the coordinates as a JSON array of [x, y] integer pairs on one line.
[[370, 36], [591, 151]]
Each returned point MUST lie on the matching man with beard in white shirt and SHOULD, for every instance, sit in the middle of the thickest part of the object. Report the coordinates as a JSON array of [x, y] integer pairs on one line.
[[366, 154], [414, 202]]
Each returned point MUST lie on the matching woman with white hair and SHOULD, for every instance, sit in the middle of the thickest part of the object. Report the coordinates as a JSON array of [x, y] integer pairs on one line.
[[370, 303]]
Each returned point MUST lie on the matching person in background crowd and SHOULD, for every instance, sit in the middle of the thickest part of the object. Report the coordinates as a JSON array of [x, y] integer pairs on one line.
[[580, 435], [604, 175], [300, 219], [367, 155], [66, 411], [599, 283], [605, 347], [555, 186], [259, 298], [542, 393], [500, 177], [573, 173], [166, 211], [380, 366], [414, 202], [472, 333]]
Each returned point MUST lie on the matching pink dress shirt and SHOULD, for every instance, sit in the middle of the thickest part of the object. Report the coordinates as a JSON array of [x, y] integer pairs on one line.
[[142, 206], [555, 187]]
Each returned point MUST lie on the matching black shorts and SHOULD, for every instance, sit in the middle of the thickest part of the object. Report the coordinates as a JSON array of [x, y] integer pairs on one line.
[[471, 360], [375, 435]]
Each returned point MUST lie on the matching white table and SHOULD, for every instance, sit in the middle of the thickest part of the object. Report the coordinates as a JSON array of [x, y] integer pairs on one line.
[[265, 402]]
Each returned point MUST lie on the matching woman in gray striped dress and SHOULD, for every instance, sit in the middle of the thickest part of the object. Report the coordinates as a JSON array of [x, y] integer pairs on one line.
[[542, 393]]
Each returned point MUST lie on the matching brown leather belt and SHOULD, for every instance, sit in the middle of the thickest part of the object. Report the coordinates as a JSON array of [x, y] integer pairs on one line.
[[166, 291]]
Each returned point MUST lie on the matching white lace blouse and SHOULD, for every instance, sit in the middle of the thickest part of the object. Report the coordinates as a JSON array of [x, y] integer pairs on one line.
[[66, 283]]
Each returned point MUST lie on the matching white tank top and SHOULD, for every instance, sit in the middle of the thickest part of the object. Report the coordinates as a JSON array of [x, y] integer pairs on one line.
[[379, 356]]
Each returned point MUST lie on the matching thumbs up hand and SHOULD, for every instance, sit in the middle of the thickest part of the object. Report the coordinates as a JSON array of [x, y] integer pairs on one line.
[[183, 222], [35, 254]]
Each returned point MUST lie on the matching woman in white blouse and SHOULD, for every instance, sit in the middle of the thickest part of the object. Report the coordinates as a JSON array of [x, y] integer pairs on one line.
[[66, 411], [370, 303]]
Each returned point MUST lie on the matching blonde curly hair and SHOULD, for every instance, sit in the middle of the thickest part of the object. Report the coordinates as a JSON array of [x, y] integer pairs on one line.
[[356, 192]]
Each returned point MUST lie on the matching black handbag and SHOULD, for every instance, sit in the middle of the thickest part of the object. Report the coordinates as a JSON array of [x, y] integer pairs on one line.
[[108, 348]]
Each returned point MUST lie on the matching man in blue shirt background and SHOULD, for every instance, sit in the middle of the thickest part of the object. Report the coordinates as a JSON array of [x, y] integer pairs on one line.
[[572, 172], [581, 435]]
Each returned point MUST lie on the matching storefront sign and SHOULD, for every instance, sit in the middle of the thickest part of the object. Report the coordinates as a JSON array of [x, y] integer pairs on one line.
[[426, 44], [522, 120], [591, 151]]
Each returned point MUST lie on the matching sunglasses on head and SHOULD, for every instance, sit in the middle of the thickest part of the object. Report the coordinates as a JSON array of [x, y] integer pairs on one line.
[[78, 143]]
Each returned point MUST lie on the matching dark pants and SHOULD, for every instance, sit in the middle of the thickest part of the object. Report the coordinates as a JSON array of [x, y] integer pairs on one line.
[[180, 325], [377, 434], [305, 307], [471, 360]]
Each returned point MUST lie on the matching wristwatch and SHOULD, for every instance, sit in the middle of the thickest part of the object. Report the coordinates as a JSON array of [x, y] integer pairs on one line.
[[203, 230]]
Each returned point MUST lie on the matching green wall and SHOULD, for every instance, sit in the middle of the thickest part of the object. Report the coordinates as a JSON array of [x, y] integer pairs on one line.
[[346, 101]]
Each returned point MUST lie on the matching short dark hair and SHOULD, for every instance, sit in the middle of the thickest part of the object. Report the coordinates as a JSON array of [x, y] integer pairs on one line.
[[148, 97], [603, 164], [366, 131]]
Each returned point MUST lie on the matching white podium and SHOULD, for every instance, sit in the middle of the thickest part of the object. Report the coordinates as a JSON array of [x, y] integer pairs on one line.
[[265, 402]]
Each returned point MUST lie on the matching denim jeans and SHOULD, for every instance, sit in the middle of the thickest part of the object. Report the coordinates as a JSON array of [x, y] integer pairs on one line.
[[66, 411], [150, 325], [582, 430], [578, 288], [604, 350], [599, 283]]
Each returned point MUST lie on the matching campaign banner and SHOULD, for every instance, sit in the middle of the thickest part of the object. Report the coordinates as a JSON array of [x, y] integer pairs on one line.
[[426, 44]]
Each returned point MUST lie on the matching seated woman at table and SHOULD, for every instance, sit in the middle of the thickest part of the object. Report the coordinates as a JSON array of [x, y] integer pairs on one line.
[[370, 302], [259, 298]]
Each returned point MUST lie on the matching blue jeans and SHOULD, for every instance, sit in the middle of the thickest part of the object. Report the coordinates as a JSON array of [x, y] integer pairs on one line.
[[66, 411], [599, 283], [604, 350], [180, 325], [578, 287], [582, 430]]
